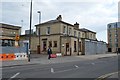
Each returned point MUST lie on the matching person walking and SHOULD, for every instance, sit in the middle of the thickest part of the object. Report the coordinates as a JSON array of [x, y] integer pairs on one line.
[[49, 52]]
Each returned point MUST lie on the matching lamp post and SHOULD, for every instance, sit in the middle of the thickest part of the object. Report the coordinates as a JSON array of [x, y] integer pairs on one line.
[[39, 31], [30, 32], [116, 39]]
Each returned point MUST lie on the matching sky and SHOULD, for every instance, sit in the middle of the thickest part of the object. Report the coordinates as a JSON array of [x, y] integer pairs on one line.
[[90, 14]]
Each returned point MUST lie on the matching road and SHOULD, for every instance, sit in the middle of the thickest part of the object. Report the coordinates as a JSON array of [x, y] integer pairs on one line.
[[77, 69]]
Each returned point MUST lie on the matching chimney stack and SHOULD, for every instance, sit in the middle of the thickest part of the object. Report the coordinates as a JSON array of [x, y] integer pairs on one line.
[[76, 25], [59, 18]]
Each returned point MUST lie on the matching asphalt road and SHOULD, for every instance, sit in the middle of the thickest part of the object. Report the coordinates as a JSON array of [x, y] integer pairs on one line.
[[76, 69]]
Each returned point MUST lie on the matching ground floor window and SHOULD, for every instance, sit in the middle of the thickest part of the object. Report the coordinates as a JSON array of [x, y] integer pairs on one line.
[[50, 43], [55, 43]]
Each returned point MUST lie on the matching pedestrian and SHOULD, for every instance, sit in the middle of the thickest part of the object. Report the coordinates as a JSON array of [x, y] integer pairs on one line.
[[49, 52]]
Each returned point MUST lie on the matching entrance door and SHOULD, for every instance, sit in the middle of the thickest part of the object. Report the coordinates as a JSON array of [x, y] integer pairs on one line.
[[109, 50], [44, 45], [67, 49]]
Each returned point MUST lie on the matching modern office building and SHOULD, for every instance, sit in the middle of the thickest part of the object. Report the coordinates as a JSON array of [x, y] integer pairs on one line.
[[113, 30]]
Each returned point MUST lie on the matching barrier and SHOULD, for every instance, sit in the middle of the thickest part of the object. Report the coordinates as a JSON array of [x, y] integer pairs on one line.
[[20, 56], [13, 53], [59, 54], [7, 57], [11, 56]]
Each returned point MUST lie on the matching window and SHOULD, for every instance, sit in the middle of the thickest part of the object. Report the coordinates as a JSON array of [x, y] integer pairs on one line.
[[38, 31], [64, 29], [75, 46], [79, 34], [48, 30], [69, 31], [116, 35], [55, 43], [91, 35], [82, 34], [7, 43], [50, 43], [110, 35], [116, 45], [74, 33], [109, 26], [14, 32], [116, 40], [110, 40]]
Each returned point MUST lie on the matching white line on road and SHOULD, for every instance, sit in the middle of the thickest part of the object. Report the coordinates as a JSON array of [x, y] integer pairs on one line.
[[65, 70], [15, 75], [52, 70], [93, 63], [76, 66]]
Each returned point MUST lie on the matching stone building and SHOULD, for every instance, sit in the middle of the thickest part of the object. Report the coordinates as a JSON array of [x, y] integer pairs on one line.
[[9, 34], [63, 37], [9, 31]]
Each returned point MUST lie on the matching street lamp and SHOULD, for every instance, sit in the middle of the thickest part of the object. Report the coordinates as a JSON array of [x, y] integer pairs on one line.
[[30, 32], [39, 31], [116, 39]]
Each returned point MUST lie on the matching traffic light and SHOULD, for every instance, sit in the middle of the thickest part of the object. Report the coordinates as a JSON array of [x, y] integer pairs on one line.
[[17, 37]]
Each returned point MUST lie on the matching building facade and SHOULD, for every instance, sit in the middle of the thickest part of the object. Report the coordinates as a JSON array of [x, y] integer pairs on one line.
[[113, 30], [9, 31], [63, 37]]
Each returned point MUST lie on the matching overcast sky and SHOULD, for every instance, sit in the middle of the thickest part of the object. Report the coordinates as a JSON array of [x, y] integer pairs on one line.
[[90, 14]]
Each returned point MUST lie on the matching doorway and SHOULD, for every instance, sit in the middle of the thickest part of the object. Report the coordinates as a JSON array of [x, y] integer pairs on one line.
[[45, 45], [109, 50], [67, 49]]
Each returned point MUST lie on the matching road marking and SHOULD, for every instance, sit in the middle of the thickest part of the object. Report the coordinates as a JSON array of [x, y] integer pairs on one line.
[[105, 76], [11, 67], [52, 70], [15, 75], [76, 66], [65, 70], [93, 63]]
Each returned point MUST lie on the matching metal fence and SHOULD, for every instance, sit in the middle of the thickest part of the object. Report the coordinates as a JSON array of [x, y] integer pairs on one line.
[[95, 47]]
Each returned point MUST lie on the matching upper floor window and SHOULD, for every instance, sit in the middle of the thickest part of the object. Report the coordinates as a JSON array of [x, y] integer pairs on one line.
[[14, 32], [116, 45], [91, 35], [74, 33], [116, 39], [109, 26], [83, 35], [38, 31], [64, 29], [69, 31], [79, 34], [48, 30]]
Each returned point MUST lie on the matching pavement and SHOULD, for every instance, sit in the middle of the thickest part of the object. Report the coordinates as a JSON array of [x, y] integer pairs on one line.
[[43, 59]]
